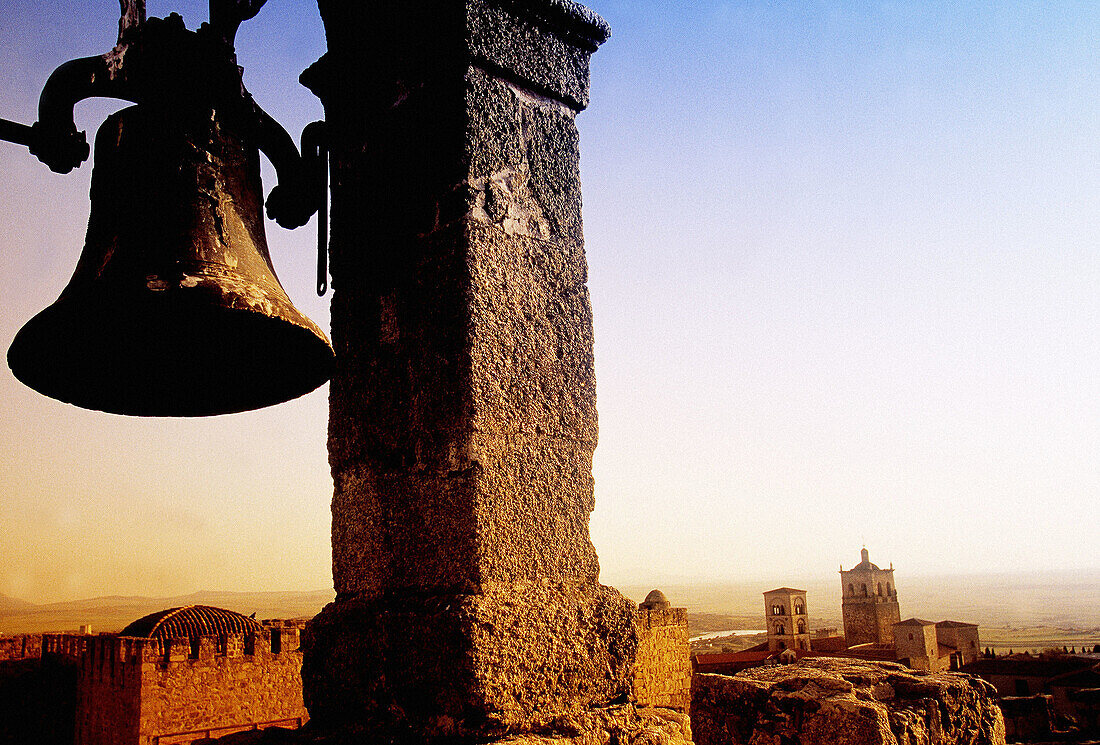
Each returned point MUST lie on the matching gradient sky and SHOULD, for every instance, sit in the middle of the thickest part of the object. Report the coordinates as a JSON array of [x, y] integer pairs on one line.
[[846, 281]]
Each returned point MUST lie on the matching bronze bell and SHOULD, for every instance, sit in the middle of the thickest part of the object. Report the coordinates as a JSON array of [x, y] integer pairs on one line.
[[174, 308]]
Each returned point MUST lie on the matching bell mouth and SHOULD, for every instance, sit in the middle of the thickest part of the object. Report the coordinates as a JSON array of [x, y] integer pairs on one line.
[[168, 356]]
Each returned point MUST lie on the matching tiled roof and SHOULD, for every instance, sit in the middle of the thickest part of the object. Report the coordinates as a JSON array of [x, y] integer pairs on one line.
[[955, 625], [190, 620], [915, 622], [783, 589]]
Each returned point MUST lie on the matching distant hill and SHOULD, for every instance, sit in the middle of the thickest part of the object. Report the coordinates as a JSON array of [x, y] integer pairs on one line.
[[113, 613], [13, 605]]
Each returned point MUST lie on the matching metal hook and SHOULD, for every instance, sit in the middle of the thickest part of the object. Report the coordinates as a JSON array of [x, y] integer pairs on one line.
[[315, 155]]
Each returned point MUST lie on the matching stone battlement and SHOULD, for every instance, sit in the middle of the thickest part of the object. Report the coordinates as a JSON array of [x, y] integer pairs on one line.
[[157, 687], [108, 654]]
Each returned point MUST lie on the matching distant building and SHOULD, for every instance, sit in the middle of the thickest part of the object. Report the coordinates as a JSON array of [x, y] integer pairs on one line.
[[915, 645], [869, 604], [787, 619], [873, 630], [960, 641]]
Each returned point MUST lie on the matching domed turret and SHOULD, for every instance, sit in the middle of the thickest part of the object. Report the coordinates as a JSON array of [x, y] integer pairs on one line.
[[656, 600]]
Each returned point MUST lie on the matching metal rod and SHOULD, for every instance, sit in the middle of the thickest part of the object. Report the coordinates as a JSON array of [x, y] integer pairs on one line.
[[322, 220], [15, 132], [315, 156]]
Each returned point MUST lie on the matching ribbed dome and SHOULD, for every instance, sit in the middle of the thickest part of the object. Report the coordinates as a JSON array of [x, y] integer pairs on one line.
[[190, 620]]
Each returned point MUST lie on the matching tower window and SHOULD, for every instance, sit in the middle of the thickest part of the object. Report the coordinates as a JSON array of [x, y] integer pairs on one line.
[[779, 630], [851, 589], [799, 608], [801, 626], [777, 610], [863, 588], [880, 589]]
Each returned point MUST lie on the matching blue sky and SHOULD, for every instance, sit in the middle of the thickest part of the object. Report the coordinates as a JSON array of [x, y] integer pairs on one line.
[[844, 270]]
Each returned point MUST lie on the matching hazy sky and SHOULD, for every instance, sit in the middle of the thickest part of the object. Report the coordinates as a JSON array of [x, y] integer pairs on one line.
[[846, 280]]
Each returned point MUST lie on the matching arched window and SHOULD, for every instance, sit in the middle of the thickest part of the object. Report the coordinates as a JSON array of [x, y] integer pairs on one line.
[[777, 610], [863, 588], [851, 590], [880, 589], [799, 608], [779, 630], [801, 626]]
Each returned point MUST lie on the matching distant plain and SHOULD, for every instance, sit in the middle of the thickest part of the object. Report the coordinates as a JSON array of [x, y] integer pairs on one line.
[[1015, 611]]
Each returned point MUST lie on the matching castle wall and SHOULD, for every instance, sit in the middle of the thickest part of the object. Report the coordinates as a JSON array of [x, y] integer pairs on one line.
[[662, 668], [131, 691], [220, 684], [20, 647], [37, 700], [109, 690]]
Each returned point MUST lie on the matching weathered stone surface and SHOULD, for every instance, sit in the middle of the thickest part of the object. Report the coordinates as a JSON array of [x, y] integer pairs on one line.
[[526, 657], [543, 45], [833, 702], [463, 417], [662, 667]]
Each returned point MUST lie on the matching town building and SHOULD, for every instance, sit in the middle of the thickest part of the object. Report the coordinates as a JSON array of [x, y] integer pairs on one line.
[[787, 620], [870, 603], [873, 629]]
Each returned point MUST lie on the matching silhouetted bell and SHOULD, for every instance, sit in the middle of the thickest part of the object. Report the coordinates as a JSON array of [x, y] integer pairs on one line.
[[174, 308]]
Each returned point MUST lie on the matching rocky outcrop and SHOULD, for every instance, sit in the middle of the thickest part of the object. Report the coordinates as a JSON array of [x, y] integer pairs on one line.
[[826, 701]]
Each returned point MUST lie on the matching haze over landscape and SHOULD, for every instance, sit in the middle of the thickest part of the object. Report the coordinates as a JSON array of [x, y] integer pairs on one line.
[[844, 276]]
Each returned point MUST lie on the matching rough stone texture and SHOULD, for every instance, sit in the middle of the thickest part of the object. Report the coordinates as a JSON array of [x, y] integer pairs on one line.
[[463, 420], [870, 620], [833, 702], [516, 658], [662, 668]]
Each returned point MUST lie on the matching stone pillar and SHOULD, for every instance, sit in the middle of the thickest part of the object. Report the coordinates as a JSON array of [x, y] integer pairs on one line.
[[462, 420]]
